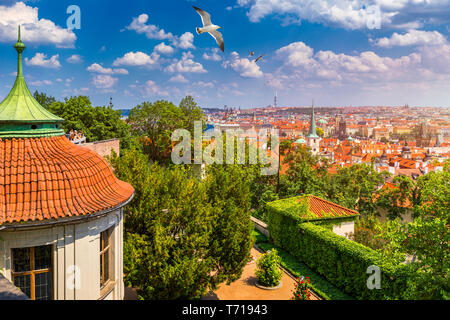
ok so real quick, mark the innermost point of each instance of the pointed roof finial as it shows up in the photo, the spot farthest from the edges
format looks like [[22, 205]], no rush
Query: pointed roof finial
[[19, 46]]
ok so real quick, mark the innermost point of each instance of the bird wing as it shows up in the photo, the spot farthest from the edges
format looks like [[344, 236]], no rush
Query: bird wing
[[259, 58], [206, 18], [219, 39]]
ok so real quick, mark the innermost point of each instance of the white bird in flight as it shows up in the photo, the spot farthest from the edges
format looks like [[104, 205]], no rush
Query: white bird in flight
[[209, 27]]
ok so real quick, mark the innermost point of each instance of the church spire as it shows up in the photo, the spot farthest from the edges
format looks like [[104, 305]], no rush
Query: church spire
[[312, 125]]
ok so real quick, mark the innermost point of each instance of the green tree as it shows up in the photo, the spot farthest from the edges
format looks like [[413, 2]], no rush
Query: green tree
[[320, 132], [183, 235], [304, 174], [157, 121], [353, 187], [427, 239], [397, 201], [191, 111], [43, 99], [96, 123], [229, 194]]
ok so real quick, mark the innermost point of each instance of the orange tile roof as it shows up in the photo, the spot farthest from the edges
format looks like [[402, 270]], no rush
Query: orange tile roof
[[51, 178], [323, 208]]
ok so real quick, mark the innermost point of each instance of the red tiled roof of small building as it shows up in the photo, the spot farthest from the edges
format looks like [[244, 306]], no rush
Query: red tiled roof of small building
[[324, 209], [51, 178]]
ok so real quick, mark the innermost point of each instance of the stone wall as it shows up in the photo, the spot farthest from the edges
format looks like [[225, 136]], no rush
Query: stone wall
[[104, 147]]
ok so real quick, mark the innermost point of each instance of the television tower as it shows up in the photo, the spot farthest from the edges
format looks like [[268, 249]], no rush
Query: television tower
[[275, 100]]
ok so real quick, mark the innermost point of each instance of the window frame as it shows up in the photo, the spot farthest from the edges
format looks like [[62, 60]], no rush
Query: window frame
[[105, 281], [32, 273]]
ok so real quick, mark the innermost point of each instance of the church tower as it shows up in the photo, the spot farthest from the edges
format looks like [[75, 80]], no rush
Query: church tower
[[313, 140]]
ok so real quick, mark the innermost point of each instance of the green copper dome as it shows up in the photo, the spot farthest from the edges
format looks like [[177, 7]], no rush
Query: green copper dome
[[21, 116]]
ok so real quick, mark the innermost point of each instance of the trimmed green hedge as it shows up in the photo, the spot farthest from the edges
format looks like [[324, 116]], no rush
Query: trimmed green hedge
[[342, 262]]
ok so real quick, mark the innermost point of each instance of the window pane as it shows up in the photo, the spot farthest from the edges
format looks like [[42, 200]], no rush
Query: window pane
[[101, 269], [21, 259], [43, 286], [42, 257], [106, 238], [24, 284], [106, 267]]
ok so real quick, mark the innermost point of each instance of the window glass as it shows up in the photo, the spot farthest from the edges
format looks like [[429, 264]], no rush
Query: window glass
[[23, 283], [32, 271], [42, 257], [21, 260], [43, 286]]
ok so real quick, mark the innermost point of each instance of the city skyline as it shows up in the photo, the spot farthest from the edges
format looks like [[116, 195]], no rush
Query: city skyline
[[140, 51]]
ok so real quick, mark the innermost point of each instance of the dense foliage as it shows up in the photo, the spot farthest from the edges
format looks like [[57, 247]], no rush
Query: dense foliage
[[96, 123], [268, 269], [184, 235], [342, 262], [157, 121], [351, 187], [427, 239]]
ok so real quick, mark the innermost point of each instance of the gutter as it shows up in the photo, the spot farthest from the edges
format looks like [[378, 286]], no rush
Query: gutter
[[69, 221]]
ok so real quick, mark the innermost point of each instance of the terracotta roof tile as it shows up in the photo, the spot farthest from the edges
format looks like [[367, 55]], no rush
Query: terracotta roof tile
[[324, 209], [50, 178]]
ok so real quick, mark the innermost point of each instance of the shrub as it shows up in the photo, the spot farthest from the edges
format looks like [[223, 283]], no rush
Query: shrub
[[302, 291], [268, 270], [342, 262]]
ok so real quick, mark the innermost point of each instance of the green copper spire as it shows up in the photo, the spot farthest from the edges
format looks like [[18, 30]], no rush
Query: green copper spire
[[20, 114], [312, 126]]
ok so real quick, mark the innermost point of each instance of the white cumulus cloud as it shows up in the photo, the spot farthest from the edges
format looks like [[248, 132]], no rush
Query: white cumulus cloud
[[137, 58], [179, 78], [164, 49], [104, 81], [412, 38], [33, 29], [186, 64], [95, 67], [40, 60], [139, 25], [245, 67], [75, 58], [355, 14], [213, 56]]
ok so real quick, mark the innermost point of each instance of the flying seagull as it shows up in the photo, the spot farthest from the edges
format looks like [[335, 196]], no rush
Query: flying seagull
[[259, 58], [209, 27]]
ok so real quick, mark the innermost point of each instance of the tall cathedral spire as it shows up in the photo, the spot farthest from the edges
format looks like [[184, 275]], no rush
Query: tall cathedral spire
[[312, 125]]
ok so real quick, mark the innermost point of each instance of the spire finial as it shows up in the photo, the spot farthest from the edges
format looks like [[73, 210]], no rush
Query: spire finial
[[19, 46]]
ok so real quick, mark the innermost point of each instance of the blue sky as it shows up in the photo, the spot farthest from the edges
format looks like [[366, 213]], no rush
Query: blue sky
[[137, 51]]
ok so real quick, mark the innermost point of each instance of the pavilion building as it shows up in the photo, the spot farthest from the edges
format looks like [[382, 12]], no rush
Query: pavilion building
[[61, 207]]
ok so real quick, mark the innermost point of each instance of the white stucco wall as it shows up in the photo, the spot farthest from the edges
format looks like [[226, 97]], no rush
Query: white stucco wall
[[73, 245], [345, 228]]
